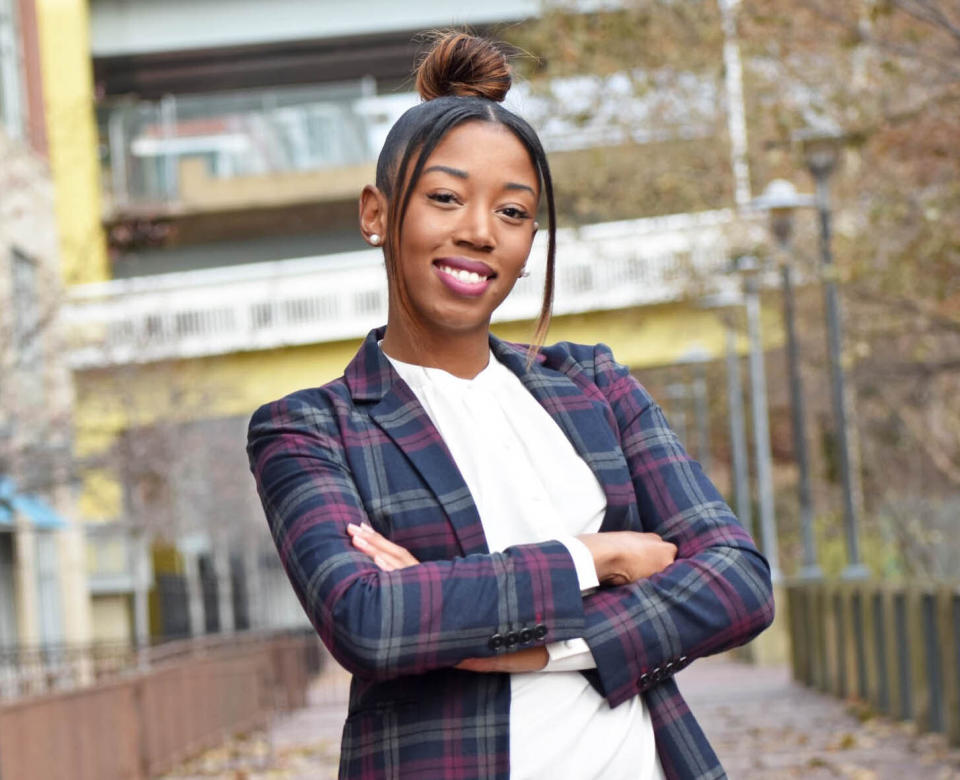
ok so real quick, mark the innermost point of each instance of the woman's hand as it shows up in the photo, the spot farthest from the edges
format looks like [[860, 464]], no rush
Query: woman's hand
[[385, 554], [531, 659], [622, 557]]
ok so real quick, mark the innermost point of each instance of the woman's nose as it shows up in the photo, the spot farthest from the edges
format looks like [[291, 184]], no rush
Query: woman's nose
[[476, 229]]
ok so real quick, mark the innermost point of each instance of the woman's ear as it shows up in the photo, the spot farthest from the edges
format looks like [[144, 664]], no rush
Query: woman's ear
[[373, 215]]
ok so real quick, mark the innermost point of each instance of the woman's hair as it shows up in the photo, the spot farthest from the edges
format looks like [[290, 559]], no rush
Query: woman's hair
[[462, 78]]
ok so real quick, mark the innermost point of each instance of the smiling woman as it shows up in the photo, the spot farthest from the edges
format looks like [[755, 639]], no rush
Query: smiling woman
[[505, 544], [463, 243]]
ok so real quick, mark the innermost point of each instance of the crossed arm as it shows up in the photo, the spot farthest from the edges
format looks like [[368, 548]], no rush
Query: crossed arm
[[620, 557], [382, 621]]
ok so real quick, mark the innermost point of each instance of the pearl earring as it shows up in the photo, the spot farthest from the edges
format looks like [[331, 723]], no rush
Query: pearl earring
[[524, 273], [374, 239]]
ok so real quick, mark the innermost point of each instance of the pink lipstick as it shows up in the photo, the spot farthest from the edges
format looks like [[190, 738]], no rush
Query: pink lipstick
[[463, 276]]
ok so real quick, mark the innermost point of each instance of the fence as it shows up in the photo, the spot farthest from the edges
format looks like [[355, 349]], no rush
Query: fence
[[181, 698], [897, 648]]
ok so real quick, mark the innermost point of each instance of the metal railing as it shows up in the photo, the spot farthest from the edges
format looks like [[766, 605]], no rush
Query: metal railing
[[321, 299], [231, 135], [174, 701], [155, 149], [895, 648], [31, 670]]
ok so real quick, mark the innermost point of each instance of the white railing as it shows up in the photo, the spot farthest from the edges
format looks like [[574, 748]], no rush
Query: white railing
[[320, 299]]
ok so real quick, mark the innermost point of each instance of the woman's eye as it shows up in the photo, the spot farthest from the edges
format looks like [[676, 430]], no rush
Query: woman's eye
[[513, 212], [442, 197]]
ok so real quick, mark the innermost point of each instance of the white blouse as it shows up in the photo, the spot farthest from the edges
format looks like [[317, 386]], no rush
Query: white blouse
[[530, 485]]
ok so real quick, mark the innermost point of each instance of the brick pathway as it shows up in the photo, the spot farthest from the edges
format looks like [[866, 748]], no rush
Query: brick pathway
[[761, 724]]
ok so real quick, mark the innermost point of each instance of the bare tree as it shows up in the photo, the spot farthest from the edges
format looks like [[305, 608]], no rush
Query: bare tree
[[887, 72]]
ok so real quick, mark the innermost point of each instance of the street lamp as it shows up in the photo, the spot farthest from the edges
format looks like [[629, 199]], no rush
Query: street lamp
[[727, 304], [749, 269], [821, 152], [697, 358], [781, 199]]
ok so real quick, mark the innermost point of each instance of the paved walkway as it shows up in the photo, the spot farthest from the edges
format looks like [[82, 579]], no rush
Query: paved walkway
[[761, 724]]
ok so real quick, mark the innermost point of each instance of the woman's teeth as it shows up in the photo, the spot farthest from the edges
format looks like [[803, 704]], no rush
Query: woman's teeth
[[470, 277]]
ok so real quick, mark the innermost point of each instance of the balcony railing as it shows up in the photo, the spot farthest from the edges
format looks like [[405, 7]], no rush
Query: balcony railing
[[163, 153], [178, 153], [312, 300]]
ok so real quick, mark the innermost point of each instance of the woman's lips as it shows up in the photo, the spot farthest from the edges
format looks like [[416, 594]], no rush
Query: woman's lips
[[463, 276]]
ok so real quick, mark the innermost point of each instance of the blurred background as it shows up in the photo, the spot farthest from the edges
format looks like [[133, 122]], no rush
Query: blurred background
[[760, 213]]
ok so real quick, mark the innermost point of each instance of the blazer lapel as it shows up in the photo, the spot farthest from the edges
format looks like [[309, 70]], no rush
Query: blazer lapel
[[583, 423], [401, 417]]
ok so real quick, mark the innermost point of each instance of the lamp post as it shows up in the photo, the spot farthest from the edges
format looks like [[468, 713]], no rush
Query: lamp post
[[697, 358], [821, 152], [781, 199], [749, 268], [727, 305]]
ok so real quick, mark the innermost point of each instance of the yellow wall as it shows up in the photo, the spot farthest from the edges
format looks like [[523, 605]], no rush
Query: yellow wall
[[109, 401], [63, 31], [111, 619]]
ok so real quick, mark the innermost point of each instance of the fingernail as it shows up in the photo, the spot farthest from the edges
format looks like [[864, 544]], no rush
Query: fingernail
[[352, 527]]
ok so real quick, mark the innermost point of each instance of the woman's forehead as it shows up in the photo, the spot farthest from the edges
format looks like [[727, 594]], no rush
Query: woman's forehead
[[484, 147]]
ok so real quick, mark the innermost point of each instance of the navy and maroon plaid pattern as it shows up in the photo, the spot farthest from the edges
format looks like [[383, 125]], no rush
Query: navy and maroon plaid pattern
[[361, 448]]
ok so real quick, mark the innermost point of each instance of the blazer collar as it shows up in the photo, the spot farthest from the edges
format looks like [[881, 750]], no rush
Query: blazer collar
[[371, 378]]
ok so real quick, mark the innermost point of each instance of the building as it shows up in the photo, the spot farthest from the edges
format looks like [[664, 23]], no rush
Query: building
[[43, 588], [211, 154]]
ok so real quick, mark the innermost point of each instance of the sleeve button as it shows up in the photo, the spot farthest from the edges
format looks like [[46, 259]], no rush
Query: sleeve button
[[496, 642], [511, 639], [526, 635], [540, 631]]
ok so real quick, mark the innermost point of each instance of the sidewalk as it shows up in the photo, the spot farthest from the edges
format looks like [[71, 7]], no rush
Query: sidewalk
[[765, 727], [762, 725]]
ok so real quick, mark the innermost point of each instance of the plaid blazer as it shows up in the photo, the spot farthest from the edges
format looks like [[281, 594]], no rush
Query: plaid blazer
[[362, 448]]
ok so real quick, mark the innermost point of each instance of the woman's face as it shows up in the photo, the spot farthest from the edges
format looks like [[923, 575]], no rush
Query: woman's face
[[468, 229]]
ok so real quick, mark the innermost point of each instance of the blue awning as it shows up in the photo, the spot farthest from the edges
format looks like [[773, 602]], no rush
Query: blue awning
[[36, 510]]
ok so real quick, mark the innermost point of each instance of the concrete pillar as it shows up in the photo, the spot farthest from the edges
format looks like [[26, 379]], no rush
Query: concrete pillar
[[191, 572], [221, 565], [25, 579], [74, 590], [141, 588], [251, 575]]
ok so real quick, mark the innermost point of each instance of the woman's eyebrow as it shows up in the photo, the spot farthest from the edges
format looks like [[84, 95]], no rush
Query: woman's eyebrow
[[447, 169], [514, 186], [464, 175]]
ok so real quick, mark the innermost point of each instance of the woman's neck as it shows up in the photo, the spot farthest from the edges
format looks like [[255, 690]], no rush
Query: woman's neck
[[462, 354]]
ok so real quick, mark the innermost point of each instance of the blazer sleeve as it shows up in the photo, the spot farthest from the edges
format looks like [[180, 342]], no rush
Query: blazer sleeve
[[385, 624], [715, 596]]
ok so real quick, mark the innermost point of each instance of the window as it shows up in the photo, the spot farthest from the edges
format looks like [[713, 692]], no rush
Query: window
[[26, 319], [11, 104], [8, 593], [48, 589]]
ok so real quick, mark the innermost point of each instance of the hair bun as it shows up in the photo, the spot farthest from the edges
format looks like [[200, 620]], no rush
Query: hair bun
[[465, 66]]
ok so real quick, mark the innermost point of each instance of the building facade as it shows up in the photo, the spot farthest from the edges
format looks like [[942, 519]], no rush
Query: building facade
[[207, 158], [43, 589]]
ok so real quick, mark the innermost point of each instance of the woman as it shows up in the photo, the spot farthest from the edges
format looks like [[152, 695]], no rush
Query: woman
[[505, 545]]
